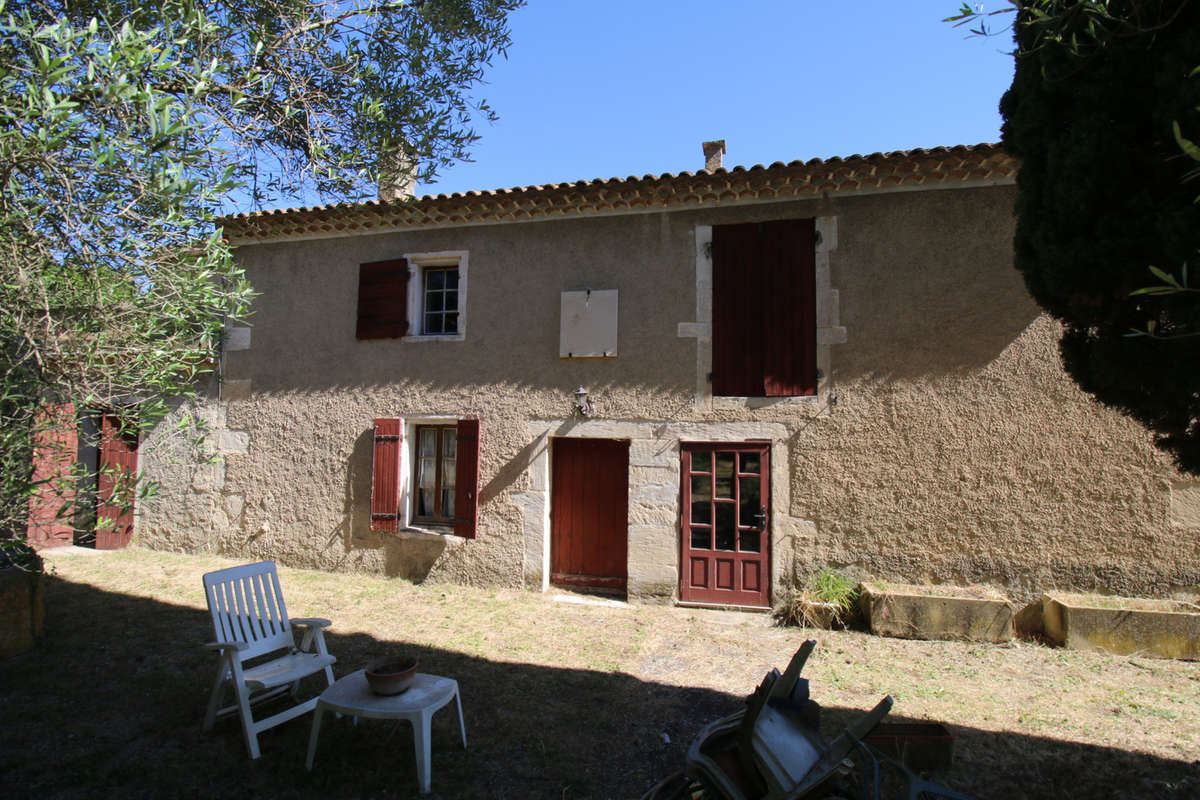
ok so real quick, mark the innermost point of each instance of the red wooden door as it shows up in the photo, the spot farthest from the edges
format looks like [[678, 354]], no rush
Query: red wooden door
[[726, 533], [115, 483], [589, 513], [764, 309]]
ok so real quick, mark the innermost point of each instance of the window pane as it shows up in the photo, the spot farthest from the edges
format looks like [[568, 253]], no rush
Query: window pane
[[449, 446], [751, 502], [434, 300], [725, 474], [425, 503], [427, 476], [701, 539], [428, 442], [451, 297], [750, 541], [701, 497], [452, 279], [750, 463], [701, 462], [450, 324], [447, 502], [435, 280], [433, 323], [725, 533]]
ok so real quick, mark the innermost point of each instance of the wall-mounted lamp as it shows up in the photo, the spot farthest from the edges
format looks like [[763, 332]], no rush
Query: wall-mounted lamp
[[583, 406]]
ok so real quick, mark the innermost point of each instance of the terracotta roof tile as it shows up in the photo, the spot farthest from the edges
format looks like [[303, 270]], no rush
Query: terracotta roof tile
[[779, 181]]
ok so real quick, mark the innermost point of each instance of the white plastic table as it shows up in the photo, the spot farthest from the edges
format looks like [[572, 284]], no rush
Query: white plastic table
[[351, 696]]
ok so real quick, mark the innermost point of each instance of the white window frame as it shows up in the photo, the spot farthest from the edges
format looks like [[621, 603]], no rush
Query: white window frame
[[417, 264]]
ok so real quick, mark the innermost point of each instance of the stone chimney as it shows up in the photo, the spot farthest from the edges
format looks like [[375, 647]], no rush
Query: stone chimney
[[712, 154], [397, 177]]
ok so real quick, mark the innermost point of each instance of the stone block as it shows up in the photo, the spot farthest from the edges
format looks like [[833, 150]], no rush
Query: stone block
[[654, 453], [651, 515], [651, 588], [936, 612], [1185, 504], [661, 537], [211, 415], [655, 494], [235, 390], [1122, 625], [835, 334], [237, 338], [21, 610], [234, 503], [233, 442], [209, 477]]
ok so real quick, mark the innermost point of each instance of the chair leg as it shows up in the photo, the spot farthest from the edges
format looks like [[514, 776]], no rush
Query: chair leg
[[243, 701], [214, 700], [314, 734], [461, 727]]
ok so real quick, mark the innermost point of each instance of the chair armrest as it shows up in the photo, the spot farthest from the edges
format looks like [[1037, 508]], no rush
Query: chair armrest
[[239, 646], [314, 633], [310, 622]]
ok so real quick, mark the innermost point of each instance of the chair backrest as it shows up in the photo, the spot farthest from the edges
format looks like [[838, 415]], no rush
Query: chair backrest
[[247, 606]]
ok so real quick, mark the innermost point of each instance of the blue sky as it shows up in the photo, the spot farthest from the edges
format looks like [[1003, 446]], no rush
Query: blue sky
[[612, 88]]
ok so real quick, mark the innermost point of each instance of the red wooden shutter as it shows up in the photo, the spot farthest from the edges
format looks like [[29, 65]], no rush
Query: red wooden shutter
[[55, 445], [737, 320], [385, 478], [790, 308], [466, 479], [382, 299], [764, 309]]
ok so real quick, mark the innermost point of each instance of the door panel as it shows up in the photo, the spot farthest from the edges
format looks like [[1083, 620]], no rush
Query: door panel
[[589, 519], [115, 484], [726, 545]]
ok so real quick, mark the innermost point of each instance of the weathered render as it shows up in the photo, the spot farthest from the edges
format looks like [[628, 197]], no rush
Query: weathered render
[[943, 444]]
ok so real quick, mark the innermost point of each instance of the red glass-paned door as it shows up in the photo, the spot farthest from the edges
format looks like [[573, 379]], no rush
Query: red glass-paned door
[[726, 533]]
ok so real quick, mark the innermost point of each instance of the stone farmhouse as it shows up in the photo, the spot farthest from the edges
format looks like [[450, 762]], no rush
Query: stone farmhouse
[[696, 388]]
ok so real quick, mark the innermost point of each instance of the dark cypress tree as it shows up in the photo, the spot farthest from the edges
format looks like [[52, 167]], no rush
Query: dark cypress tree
[[1102, 198]]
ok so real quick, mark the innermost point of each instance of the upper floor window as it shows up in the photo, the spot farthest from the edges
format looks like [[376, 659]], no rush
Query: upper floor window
[[437, 296], [439, 301], [421, 297]]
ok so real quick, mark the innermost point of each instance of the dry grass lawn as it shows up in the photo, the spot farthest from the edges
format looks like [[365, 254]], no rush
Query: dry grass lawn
[[562, 700]]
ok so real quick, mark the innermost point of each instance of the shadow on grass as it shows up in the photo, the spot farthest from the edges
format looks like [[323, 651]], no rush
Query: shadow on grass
[[112, 700]]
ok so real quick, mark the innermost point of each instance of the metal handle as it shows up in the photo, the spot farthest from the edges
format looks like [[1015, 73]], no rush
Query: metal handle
[[761, 517]]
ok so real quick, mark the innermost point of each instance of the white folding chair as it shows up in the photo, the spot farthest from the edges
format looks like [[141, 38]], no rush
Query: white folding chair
[[251, 623]]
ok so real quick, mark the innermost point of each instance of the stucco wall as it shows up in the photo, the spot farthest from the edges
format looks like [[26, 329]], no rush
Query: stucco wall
[[956, 449]]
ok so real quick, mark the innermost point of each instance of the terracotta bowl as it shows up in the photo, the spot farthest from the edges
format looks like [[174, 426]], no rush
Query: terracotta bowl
[[391, 674]]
